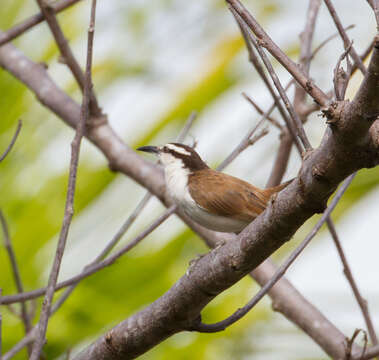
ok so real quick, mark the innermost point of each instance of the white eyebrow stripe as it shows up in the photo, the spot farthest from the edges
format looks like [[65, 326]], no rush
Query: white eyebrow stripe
[[178, 149]]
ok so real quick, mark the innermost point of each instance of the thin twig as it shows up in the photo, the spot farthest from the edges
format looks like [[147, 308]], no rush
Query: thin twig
[[219, 326], [253, 58], [120, 233], [350, 278], [67, 55], [261, 112], [306, 38], [36, 19], [370, 353], [281, 160], [329, 38], [9, 148], [315, 107], [344, 37], [69, 210], [341, 78], [244, 144], [89, 270], [127, 224], [187, 126], [365, 342], [114, 241], [350, 343], [28, 339], [96, 266], [297, 125], [315, 92], [16, 274], [39, 292]]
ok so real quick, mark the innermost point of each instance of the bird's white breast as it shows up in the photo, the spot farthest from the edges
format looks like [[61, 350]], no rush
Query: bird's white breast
[[176, 176]]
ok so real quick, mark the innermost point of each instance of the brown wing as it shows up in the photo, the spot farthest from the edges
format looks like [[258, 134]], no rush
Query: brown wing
[[226, 195]]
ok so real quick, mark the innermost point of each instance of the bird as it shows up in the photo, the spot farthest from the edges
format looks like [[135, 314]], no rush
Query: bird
[[213, 199]]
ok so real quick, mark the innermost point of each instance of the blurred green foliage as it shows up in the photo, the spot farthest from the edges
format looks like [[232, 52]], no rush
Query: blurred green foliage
[[33, 196]]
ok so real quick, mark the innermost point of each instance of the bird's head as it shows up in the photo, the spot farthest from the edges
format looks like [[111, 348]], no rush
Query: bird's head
[[177, 154]]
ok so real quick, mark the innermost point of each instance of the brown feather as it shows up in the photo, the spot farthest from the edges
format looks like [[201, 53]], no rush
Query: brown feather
[[275, 189], [227, 195]]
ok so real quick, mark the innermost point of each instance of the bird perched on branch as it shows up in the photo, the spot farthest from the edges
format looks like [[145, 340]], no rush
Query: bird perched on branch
[[213, 199]]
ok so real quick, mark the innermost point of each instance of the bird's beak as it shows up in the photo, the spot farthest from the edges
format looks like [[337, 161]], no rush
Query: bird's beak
[[150, 149]]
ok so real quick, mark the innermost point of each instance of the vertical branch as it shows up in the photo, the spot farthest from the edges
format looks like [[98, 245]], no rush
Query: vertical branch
[[306, 38], [16, 274], [281, 160], [350, 278], [69, 210], [29, 338], [307, 35], [126, 225], [284, 151], [341, 78], [89, 270], [66, 54]]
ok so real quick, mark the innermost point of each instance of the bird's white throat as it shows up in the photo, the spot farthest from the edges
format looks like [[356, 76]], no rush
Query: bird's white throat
[[176, 176]]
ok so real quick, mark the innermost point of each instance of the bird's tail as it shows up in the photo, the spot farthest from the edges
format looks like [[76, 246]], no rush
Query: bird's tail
[[276, 189]]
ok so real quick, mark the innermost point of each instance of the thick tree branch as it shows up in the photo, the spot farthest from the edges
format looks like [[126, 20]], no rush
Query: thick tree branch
[[364, 109], [29, 338], [147, 174], [222, 325], [90, 269], [323, 169]]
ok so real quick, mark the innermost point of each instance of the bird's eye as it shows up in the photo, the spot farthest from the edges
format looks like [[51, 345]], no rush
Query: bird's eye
[[165, 149]]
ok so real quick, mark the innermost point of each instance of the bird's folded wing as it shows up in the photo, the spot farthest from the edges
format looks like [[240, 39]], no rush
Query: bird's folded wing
[[225, 195]]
